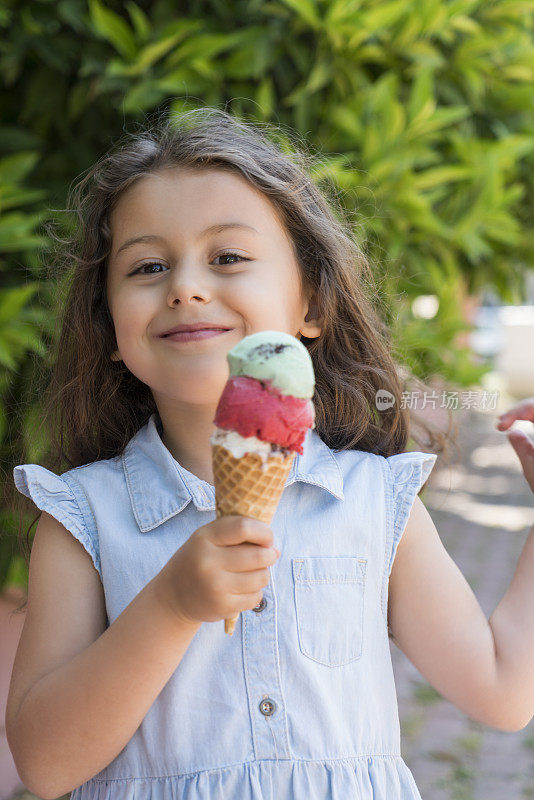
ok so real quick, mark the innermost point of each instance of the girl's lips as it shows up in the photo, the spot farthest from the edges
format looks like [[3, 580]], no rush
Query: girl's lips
[[190, 336]]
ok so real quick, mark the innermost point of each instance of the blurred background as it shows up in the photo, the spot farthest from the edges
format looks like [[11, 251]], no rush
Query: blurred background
[[420, 117]]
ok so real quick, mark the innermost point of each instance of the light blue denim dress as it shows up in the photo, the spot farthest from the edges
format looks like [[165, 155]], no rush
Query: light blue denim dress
[[300, 701]]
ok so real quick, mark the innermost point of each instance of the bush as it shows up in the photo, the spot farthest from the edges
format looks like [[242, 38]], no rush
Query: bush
[[421, 112]]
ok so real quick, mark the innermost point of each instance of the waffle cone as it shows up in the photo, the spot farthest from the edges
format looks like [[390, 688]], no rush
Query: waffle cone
[[244, 488]]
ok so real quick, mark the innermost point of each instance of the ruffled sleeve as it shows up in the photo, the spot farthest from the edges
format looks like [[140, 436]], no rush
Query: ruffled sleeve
[[407, 472], [64, 499]]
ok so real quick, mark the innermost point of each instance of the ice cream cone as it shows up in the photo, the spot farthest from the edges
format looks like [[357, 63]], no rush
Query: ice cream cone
[[248, 486], [262, 418]]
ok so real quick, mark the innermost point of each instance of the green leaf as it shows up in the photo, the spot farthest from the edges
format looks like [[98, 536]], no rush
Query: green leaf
[[465, 24], [334, 168], [252, 58], [12, 300], [306, 10], [441, 118], [475, 246], [424, 54], [347, 119], [515, 147], [143, 95], [384, 14], [339, 12], [113, 28], [153, 52], [509, 9], [16, 231], [13, 197], [30, 24], [318, 78], [35, 436], [140, 21], [15, 138], [79, 99], [503, 228], [208, 45], [266, 98], [421, 104], [431, 178], [16, 167], [5, 16], [6, 356], [519, 72]]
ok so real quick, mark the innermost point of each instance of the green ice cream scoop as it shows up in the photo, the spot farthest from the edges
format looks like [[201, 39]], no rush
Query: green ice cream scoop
[[277, 357]]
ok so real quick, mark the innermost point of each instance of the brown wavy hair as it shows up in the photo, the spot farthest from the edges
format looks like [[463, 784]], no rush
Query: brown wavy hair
[[93, 405]]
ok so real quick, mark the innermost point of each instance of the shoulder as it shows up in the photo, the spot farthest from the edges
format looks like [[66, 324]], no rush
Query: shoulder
[[103, 466], [348, 460], [96, 474], [410, 465]]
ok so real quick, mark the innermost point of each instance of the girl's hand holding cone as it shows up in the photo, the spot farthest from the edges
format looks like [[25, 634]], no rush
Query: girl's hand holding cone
[[222, 567]]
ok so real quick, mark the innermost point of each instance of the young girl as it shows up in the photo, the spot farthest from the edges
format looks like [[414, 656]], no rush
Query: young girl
[[125, 684]]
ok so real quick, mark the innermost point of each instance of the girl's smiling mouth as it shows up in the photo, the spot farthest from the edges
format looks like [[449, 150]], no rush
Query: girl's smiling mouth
[[189, 336]]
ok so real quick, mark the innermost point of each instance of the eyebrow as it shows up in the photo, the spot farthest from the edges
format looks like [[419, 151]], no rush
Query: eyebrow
[[150, 237]]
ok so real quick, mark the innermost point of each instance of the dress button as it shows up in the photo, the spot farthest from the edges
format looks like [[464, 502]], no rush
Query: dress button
[[267, 706], [260, 606]]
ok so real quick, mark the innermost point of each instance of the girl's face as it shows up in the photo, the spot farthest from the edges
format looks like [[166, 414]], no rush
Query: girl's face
[[182, 273]]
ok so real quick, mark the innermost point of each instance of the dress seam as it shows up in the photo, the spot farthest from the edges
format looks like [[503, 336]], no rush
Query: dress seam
[[390, 534], [349, 759], [82, 501]]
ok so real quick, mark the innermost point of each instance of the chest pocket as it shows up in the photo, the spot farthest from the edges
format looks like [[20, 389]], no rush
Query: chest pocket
[[329, 602]]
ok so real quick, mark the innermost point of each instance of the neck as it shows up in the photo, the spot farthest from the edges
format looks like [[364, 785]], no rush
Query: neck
[[187, 437]]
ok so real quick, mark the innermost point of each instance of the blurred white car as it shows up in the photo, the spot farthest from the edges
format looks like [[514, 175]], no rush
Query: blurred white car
[[515, 357], [486, 339], [505, 336]]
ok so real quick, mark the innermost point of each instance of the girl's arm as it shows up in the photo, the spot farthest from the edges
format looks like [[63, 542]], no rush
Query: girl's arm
[[485, 667], [79, 691]]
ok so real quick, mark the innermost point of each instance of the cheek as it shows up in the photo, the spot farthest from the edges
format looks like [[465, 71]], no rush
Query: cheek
[[129, 316], [272, 284], [270, 303]]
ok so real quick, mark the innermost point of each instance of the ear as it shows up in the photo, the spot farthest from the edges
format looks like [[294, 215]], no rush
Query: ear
[[311, 327]]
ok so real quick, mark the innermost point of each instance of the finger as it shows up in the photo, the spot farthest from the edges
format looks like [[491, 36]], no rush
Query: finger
[[523, 410], [522, 444], [524, 447], [247, 582], [249, 601], [235, 529], [247, 557]]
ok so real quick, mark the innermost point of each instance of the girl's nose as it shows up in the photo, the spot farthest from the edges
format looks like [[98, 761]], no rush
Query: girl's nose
[[187, 284]]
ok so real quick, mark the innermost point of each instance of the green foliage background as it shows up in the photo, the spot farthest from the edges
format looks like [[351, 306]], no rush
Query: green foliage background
[[421, 111]]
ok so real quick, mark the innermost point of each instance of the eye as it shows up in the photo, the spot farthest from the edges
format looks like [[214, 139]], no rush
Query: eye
[[140, 269], [147, 264], [230, 254]]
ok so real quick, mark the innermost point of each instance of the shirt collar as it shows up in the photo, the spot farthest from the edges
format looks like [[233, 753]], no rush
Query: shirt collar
[[159, 487]]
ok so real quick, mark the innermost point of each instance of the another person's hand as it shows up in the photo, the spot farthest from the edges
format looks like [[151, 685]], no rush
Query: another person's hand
[[521, 441]]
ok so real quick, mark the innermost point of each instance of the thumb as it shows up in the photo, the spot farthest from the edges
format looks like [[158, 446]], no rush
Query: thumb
[[524, 447]]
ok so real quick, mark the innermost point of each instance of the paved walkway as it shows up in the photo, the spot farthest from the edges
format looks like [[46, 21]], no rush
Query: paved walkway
[[483, 509]]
